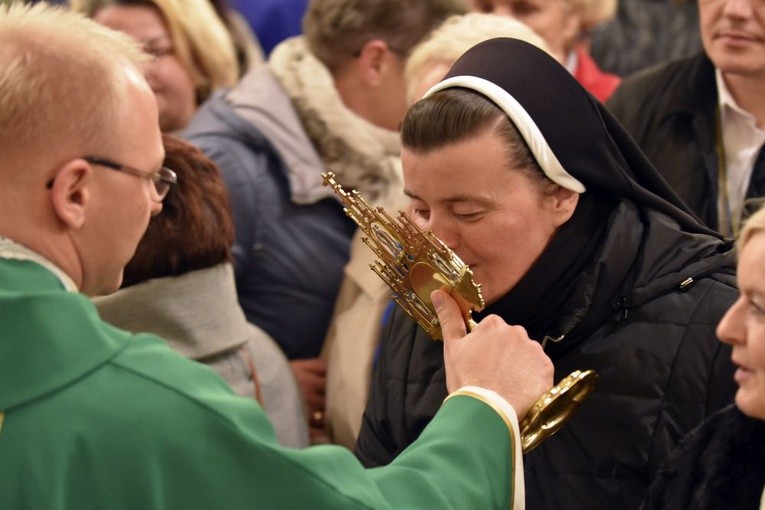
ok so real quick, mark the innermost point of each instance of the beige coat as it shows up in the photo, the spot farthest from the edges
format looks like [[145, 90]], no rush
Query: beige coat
[[351, 342]]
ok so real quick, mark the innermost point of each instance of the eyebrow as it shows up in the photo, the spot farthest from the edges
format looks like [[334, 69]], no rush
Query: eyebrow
[[752, 293], [156, 40], [454, 199]]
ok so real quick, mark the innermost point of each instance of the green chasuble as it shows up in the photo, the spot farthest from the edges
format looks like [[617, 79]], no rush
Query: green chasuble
[[96, 418]]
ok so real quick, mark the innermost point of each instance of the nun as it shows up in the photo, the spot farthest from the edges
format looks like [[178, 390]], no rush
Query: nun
[[575, 237]]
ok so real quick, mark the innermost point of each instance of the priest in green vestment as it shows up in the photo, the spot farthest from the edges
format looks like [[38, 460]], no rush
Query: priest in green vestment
[[94, 417]]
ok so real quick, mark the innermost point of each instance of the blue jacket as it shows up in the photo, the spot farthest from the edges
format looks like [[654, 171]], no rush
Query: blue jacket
[[273, 20], [292, 236]]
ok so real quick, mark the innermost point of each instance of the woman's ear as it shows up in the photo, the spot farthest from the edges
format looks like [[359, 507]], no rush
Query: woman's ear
[[70, 192], [564, 202]]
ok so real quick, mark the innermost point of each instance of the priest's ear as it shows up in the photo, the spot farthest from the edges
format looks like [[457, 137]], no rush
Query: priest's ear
[[70, 192]]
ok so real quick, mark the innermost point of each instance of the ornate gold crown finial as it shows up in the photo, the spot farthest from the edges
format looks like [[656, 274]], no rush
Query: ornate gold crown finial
[[413, 263]]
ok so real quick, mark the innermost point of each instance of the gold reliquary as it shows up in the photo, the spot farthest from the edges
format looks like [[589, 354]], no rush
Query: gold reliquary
[[412, 262]]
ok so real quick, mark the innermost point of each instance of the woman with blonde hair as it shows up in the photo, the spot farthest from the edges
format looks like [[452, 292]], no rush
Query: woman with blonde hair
[[431, 59], [193, 53], [721, 464]]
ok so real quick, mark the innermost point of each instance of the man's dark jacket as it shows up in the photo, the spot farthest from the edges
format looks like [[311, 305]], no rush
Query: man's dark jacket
[[646, 325], [670, 110]]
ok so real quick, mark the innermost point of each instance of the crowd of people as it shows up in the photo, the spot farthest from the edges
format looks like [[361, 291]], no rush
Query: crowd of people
[[190, 318]]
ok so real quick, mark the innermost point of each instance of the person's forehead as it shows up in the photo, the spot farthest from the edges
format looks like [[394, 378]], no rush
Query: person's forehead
[[708, 5], [476, 158], [752, 257], [141, 134], [142, 22]]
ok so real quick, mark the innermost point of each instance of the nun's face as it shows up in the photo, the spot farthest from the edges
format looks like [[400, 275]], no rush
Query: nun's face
[[493, 216], [743, 327], [733, 33]]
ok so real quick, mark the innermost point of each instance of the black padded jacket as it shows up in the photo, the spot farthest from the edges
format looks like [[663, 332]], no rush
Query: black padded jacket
[[646, 324]]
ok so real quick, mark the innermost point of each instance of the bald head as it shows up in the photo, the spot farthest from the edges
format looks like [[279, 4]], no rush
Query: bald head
[[62, 79], [71, 88]]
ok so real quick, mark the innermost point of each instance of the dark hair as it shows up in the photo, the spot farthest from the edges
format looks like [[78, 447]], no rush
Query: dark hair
[[455, 115], [195, 229]]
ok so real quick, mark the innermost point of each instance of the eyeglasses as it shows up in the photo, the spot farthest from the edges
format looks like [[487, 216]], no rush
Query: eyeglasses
[[158, 47], [157, 53], [163, 180]]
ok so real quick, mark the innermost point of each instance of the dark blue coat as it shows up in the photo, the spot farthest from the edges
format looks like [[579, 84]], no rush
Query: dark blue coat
[[289, 253]]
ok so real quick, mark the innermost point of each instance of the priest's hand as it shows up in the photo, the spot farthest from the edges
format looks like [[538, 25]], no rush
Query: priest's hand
[[494, 355]]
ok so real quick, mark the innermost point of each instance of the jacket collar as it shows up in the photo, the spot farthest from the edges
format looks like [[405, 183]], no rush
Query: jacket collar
[[260, 100], [692, 106], [10, 249], [641, 259], [197, 314], [696, 91], [50, 337]]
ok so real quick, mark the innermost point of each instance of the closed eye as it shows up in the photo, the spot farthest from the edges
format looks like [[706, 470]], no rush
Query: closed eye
[[468, 217], [421, 213], [754, 309]]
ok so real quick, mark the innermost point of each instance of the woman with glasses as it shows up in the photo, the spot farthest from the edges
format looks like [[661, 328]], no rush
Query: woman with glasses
[[192, 52]]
